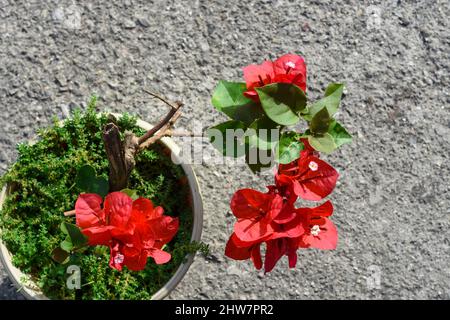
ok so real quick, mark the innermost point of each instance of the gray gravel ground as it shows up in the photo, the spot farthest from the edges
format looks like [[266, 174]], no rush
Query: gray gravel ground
[[392, 202]]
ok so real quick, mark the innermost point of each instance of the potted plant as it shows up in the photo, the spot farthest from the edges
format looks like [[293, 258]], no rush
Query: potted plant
[[95, 208], [262, 112]]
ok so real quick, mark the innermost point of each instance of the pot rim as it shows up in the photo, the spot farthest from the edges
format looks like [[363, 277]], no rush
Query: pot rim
[[32, 292]]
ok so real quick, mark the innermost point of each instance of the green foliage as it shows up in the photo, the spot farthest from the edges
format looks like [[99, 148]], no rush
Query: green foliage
[[320, 123], [289, 147], [42, 185], [131, 193], [324, 143], [219, 137], [260, 133], [61, 255], [258, 159], [228, 97], [282, 102], [331, 101], [87, 181], [339, 134], [75, 239]]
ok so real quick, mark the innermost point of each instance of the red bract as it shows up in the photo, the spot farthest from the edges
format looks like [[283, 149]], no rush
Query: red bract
[[263, 217], [308, 177], [255, 212], [272, 218], [134, 231], [320, 232], [289, 68], [276, 249], [241, 250], [257, 76]]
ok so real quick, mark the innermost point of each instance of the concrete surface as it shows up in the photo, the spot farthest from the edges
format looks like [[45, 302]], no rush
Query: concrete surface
[[392, 202]]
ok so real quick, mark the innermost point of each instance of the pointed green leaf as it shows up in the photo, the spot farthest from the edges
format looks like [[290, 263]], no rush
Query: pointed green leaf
[[87, 181], [258, 160], [84, 177], [228, 97], [333, 95], [77, 238], [228, 138], [323, 144], [60, 255], [339, 134], [320, 123], [131, 193], [67, 244], [100, 186], [263, 133], [282, 102], [288, 148]]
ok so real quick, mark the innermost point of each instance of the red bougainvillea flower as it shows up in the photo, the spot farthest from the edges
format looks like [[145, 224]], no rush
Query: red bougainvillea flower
[[276, 249], [310, 178], [255, 212], [258, 76], [263, 217], [272, 218], [320, 232], [241, 250], [133, 231], [289, 68]]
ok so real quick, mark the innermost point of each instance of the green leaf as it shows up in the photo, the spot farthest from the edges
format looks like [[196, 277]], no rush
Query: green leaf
[[228, 97], [323, 144], [67, 244], [320, 123], [258, 160], [333, 95], [75, 236], [263, 133], [282, 102], [228, 137], [60, 255], [288, 148], [84, 176], [87, 181], [339, 134], [131, 193]]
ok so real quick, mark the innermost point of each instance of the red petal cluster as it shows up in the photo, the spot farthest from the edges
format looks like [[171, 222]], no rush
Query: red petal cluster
[[133, 230], [289, 68], [272, 217]]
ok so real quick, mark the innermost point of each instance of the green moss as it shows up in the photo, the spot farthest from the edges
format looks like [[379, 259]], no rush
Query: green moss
[[42, 188]]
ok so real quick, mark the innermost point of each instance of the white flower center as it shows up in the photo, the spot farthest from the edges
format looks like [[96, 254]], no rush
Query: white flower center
[[313, 166], [118, 259], [315, 230], [290, 64]]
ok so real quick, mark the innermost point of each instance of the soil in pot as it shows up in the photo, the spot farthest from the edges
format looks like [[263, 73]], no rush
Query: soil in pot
[[42, 187]]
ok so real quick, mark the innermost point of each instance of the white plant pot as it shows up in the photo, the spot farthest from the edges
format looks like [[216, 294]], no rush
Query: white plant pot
[[31, 291]]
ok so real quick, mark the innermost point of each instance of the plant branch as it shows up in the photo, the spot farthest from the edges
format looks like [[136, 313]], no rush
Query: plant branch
[[162, 132], [169, 118], [122, 154], [69, 213], [172, 133]]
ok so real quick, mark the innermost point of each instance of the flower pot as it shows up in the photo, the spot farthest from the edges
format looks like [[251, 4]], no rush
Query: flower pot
[[30, 290]]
